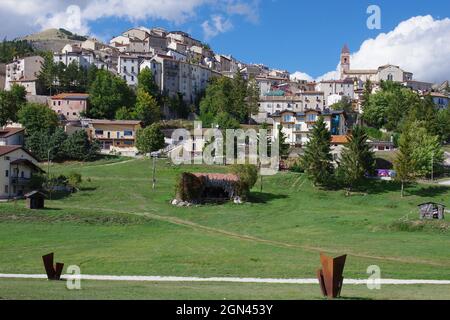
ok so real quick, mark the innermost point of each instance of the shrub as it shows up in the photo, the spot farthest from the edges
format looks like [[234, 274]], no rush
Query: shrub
[[74, 180], [248, 175], [189, 187], [296, 166]]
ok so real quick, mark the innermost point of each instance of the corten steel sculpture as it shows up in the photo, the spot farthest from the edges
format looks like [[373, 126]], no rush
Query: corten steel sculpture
[[53, 272], [330, 276]]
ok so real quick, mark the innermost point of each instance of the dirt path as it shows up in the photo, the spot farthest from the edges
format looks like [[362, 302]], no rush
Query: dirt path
[[219, 279], [230, 234]]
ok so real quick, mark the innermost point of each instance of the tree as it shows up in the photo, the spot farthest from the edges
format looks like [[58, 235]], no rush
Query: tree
[[357, 158], [417, 154], [178, 106], [217, 99], [47, 145], [107, 94], [146, 109], [10, 103], [150, 139], [239, 94], [78, 147], [147, 83], [317, 158], [37, 117], [345, 104], [124, 113], [252, 98], [48, 74], [283, 145]]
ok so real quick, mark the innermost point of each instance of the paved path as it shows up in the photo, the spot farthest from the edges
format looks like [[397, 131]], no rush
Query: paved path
[[219, 279]]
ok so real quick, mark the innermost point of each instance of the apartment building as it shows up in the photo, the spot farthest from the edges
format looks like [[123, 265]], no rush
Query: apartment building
[[17, 167], [69, 106], [24, 72], [335, 90], [128, 68], [297, 125], [115, 136]]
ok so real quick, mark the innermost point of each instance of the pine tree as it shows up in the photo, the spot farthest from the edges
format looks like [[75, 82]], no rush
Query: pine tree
[[252, 98], [282, 144], [357, 158], [317, 159]]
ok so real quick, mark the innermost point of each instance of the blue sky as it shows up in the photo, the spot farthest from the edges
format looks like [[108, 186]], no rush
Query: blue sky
[[299, 35], [296, 35]]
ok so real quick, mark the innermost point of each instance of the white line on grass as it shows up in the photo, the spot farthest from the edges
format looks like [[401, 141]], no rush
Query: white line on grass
[[219, 279]]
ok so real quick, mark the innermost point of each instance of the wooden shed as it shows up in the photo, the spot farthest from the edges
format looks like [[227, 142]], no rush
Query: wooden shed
[[35, 200], [431, 210]]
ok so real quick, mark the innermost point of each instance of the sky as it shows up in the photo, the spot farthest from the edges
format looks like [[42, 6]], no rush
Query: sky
[[303, 37]]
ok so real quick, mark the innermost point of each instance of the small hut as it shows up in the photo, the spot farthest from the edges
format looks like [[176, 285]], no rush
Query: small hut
[[431, 210], [35, 200]]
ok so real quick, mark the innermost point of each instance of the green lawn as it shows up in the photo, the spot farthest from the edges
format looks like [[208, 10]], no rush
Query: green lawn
[[118, 225]]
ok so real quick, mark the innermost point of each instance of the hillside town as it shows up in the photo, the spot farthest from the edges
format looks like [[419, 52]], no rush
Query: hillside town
[[182, 69]]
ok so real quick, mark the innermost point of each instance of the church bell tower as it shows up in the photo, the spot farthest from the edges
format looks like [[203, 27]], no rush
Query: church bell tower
[[345, 61]]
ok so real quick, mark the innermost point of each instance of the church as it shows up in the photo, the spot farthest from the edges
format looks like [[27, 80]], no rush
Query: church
[[386, 72]]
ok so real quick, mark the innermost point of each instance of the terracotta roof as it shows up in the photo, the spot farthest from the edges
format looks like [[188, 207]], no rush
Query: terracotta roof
[[439, 95], [218, 176], [339, 139], [7, 132], [8, 149], [71, 96]]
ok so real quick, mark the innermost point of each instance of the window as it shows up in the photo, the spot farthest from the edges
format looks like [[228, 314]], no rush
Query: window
[[6, 173], [132, 78], [124, 68], [6, 189], [132, 69], [98, 132], [287, 118], [311, 117]]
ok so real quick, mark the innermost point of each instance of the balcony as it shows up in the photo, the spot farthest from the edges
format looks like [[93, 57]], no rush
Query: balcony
[[18, 181]]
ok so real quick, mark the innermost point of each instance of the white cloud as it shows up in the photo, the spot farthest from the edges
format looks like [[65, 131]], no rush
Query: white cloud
[[249, 9], [419, 45], [301, 76], [217, 25]]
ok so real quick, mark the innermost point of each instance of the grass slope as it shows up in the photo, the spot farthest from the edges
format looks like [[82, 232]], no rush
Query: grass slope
[[118, 225]]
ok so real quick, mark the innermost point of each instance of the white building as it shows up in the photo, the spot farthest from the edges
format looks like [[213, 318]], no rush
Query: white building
[[334, 90], [128, 69], [24, 72], [17, 166], [297, 125]]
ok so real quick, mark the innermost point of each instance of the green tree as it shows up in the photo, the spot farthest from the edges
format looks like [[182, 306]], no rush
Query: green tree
[[317, 160], [49, 73], [146, 109], [418, 152], [37, 117], [147, 83], [283, 145], [252, 98], [78, 146], [357, 158], [239, 94], [248, 176], [124, 113], [345, 104], [178, 106], [107, 94], [47, 144], [10, 103], [150, 139]]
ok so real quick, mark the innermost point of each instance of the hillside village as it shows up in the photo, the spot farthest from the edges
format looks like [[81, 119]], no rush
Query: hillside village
[[182, 69]]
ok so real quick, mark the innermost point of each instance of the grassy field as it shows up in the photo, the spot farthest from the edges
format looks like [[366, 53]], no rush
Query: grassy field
[[116, 224]]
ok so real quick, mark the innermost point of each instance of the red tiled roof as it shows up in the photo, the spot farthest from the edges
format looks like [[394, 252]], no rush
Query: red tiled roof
[[339, 139], [7, 132], [8, 149], [63, 96]]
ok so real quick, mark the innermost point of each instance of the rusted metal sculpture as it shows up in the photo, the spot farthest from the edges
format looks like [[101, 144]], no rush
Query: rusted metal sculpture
[[53, 272], [330, 276]]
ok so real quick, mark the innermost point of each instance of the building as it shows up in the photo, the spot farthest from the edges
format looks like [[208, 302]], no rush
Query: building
[[69, 106], [17, 167], [128, 68], [83, 58], [418, 86], [440, 100], [115, 136], [387, 72], [24, 72], [297, 125], [335, 90], [12, 136]]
